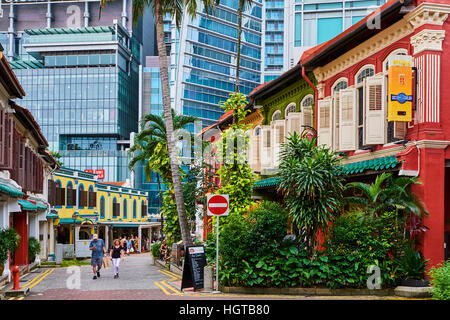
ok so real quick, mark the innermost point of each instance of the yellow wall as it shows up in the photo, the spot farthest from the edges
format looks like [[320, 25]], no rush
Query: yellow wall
[[67, 211]]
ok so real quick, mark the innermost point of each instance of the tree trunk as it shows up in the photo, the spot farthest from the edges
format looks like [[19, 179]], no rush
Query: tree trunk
[[179, 199], [160, 205]]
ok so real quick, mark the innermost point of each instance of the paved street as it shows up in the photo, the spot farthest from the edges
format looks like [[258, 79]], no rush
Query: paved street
[[139, 280]]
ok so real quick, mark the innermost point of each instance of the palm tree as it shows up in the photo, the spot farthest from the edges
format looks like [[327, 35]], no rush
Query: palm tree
[[150, 147], [243, 4], [387, 194], [175, 9]]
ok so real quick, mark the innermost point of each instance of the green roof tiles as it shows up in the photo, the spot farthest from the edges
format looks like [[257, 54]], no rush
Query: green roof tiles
[[22, 64], [270, 182], [48, 31], [10, 190], [27, 205], [377, 164]]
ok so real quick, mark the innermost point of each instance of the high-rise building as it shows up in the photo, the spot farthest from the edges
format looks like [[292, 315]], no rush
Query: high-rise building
[[81, 75], [203, 58], [293, 26]]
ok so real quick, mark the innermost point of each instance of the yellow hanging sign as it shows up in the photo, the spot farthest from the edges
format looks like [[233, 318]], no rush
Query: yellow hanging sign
[[400, 95]]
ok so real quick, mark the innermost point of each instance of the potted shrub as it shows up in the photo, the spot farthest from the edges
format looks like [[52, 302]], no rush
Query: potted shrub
[[9, 241], [412, 266], [34, 247], [156, 251]]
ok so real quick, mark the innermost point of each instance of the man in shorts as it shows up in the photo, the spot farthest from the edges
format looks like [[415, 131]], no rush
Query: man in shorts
[[98, 250]]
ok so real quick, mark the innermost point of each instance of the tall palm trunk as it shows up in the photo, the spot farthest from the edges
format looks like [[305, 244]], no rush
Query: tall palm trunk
[[179, 199]]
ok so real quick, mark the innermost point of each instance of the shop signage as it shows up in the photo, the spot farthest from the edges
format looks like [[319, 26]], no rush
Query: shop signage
[[193, 268], [100, 173], [400, 95]]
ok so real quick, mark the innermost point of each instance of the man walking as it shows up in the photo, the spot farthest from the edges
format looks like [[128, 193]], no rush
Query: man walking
[[98, 251]]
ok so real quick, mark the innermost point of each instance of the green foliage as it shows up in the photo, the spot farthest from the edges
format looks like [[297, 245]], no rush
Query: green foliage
[[156, 249], [310, 181], [9, 241], [387, 194], [411, 263], [34, 247], [74, 262], [171, 225], [235, 174], [440, 281]]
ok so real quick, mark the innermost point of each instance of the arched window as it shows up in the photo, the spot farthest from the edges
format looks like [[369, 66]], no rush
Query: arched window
[[102, 207], [257, 131], [276, 115], [342, 84], [290, 108], [134, 209], [80, 200], [116, 208], [400, 51], [143, 213], [307, 101], [58, 183], [364, 72], [69, 195], [125, 207]]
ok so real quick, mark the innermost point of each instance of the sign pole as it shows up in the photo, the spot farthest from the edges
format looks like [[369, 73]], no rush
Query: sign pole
[[217, 256]]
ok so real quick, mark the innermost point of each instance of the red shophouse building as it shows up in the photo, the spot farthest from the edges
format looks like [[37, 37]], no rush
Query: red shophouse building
[[352, 96]]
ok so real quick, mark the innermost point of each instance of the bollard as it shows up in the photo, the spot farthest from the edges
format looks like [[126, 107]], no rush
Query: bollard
[[209, 279], [15, 273]]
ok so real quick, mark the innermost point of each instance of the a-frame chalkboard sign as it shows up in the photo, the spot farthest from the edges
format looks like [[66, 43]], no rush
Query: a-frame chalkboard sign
[[194, 262]]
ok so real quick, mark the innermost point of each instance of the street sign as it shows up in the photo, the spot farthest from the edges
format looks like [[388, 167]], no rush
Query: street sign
[[217, 205]]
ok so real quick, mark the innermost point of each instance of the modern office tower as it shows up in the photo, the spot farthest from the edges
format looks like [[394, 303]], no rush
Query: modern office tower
[[203, 58], [81, 76], [293, 26]]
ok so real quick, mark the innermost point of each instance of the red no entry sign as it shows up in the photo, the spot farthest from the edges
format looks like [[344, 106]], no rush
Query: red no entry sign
[[217, 205]]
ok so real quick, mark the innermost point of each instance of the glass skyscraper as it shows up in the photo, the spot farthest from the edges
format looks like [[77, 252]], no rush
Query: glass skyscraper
[[81, 76], [293, 26], [203, 58]]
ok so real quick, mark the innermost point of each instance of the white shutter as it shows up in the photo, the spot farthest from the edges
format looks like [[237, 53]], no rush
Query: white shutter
[[324, 133], [307, 117], [277, 140], [266, 147], [255, 150], [293, 123], [375, 111], [347, 117], [336, 120]]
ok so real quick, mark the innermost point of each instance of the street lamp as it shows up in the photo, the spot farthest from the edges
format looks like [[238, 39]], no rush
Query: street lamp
[[74, 217]]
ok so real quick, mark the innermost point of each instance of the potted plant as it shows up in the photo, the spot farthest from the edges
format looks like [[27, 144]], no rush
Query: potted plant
[[34, 247], [9, 241], [412, 266], [156, 251]]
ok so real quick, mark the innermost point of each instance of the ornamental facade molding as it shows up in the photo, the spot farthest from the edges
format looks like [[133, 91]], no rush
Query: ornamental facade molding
[[428, 13], [430, 40]]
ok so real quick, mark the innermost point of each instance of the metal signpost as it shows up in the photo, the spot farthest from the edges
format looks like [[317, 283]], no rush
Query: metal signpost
[[217, 205]]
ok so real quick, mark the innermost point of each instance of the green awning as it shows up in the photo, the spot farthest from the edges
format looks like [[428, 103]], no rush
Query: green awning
[[53, 214], [27, 205], [68, 221], [265, 183], [377, 164], [10, 190]]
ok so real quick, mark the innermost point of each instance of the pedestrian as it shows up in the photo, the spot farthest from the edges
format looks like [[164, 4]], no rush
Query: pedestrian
[[136, 244], [116, 253], [163, 250], [124, 244], [130, 245], [98, 251]]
